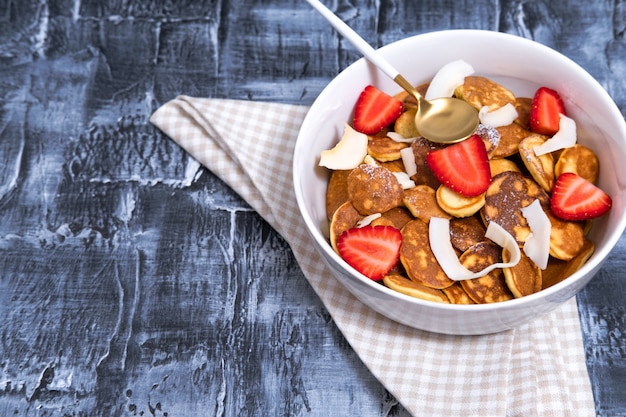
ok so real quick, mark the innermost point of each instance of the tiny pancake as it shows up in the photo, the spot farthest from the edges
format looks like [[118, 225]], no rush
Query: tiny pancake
[[344, 218], [457, 205], [466, 232], [457, 295], [567, 238], [373, 189], [523, 278], [406, 286], [418, 258], [405, 124], [507, 194], [396, 217], [580, 160], [394, 166], [480, 91], [383, 148], [540, 167], [421, 147], [422, 203], [510, 137], [501, 165], [558, 270], [523, 105], [337, 191], [490, 288]]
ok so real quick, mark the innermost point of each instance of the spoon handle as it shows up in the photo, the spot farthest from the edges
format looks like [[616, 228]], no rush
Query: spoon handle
[[358, 42]]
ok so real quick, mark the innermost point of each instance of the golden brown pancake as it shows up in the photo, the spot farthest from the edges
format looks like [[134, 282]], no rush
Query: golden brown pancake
[[425, 176], [490, 288], [396, 217], [523, 105], [457, 205], [418, 259], [501, 165], [405, 124], [558, 270], [422, 203], [385, 149], [566, 237], [507, 194], [480, 91], [510, 137], [337, 191], [344, 218], [540, 167], [580, 160], [524, 278], [466, 232], [457, 295], [406, 286], [374, 189]]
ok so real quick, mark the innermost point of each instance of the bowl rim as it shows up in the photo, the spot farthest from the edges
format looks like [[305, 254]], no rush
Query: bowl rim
[[589, 269]]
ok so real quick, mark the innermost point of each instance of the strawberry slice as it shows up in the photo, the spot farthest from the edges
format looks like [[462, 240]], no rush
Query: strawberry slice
[[375, 110], [544, 112], [575, 198], [462, 167], [371, 250]]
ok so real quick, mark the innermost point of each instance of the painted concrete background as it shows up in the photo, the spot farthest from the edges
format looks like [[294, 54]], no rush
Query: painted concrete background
[[133, 281]]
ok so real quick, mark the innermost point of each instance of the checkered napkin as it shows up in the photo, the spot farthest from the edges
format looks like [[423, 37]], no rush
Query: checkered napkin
[[537, 370]]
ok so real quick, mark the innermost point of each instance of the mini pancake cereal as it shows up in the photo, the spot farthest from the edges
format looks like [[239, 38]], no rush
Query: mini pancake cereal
[[536, 202]]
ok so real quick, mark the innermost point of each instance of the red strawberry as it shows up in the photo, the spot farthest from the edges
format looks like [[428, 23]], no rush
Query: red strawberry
[[545, 110], [371, 250], [375, 110], [575, 198], [462, 167]]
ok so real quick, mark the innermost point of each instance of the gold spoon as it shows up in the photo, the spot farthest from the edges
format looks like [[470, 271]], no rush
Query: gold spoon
[[443, 120]]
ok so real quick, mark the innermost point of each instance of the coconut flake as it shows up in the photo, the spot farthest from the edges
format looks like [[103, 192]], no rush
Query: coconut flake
[[537, 245], [408, 159], [368, 219], [439, 235], [448, 78], [503, 116], [348, 153], [369, 160], [564, 138], [396, 137], [404, 180]]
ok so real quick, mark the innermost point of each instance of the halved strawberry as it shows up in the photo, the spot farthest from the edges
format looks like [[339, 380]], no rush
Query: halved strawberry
[[375, 110], [462, 167], [371, 250], [544, 112], [575, 198]]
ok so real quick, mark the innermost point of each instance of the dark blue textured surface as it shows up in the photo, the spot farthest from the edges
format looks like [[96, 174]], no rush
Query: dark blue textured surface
[[136, 283]]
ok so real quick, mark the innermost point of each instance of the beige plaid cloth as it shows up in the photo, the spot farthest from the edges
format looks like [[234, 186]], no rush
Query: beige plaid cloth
[[537, 370]]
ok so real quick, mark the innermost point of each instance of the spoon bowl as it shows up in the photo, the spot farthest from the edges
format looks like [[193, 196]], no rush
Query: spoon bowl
[[443, 120]]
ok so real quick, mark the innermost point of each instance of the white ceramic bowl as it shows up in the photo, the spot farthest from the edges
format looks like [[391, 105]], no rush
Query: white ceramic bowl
[[522, 66]]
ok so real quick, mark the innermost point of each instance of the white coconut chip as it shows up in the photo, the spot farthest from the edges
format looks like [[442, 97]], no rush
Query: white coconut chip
[[564, 138], [396, 137], [439, 235], [447, 79], [537, 245], [408, 159], [404, 180], [348, 153], [503, 116], [365, 221]]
